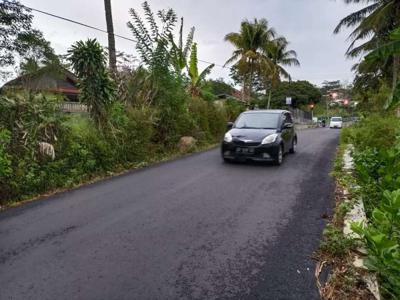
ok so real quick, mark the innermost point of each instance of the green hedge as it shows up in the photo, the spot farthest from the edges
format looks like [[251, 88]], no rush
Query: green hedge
[[377, 162]]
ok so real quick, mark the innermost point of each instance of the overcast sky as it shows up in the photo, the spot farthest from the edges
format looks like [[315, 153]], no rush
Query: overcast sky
[[307, 24]]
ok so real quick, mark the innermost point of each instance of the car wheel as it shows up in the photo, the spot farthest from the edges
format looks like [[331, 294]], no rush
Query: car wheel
[[294, 146], [279, 157]]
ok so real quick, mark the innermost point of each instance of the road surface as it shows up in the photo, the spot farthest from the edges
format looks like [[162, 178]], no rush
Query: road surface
[[193, 228]]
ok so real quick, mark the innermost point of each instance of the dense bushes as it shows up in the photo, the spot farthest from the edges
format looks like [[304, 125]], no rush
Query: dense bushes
[[376, 131], [377, 163], [133, 137]]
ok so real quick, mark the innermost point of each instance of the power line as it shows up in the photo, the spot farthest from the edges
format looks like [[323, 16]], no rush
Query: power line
[[78, 23], [99, 29]]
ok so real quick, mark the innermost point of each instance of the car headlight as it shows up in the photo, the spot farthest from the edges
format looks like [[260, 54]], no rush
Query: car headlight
[[270, 139], [228, 137]]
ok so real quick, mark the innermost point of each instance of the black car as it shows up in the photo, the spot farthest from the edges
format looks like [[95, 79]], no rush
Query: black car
[[260, 135]]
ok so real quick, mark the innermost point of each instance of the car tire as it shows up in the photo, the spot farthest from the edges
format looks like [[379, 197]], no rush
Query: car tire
[[279, 156], [294, 145]]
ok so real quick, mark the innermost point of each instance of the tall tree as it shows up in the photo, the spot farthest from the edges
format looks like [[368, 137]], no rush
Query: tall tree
[[248, 55], [112, 57], [373, 25], [281, 57], [15, 21], [383, 52]]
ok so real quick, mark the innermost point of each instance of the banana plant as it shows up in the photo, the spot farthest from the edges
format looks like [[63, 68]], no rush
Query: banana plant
[[179, 53], [196, 78]]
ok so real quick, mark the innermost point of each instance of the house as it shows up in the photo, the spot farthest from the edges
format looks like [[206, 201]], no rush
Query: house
[[60, 81]]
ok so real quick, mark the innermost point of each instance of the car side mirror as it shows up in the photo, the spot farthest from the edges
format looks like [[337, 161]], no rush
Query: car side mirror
[[229, 125], [287, 125]]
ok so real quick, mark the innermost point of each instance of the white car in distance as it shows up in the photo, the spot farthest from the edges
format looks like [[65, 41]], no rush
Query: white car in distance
[[336, 122]]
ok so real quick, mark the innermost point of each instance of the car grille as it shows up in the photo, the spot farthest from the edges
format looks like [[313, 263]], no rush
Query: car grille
[[242, 143]]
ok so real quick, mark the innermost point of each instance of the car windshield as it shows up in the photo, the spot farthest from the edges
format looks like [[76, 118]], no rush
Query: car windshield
[[337, 119], [258, 121]]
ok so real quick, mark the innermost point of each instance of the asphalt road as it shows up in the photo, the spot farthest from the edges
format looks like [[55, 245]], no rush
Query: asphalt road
[[193, 228]]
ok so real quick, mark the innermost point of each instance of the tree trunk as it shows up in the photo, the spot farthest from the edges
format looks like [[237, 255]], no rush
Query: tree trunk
[[244, 89], [396, 64], [111, 39], [269, 98], [250, 82]]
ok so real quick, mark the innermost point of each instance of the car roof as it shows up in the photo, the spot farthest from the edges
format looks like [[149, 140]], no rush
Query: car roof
[[270, 111]]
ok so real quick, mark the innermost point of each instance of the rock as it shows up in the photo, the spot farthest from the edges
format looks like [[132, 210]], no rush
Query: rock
[[187, 144], [47, 150]]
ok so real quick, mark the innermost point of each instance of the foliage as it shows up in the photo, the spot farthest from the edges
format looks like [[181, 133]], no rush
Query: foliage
[[280, 56], [260, 57], [376, 131], [377, 164], [19, 42], [153, 42], [135, 87], [196, 78], [28, 121], [382, 237], [301, 92], [375, 20], [218, 87], [373, 29], [179, 53], [5, 158], [15, 23], [88, 60], [386, 51], [249, 56]]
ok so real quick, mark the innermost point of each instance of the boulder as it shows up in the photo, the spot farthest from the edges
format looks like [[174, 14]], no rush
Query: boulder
[[187, 144]]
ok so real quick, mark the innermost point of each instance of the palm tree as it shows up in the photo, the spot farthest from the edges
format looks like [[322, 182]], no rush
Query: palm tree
[[196, 79], [377, 20], [112, 57], [280, 57], [248, 56]]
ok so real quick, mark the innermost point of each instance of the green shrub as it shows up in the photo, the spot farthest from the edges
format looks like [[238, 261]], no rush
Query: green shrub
[[382, 237], [377, 165], [5, 158], [233, 109], [376, 131]]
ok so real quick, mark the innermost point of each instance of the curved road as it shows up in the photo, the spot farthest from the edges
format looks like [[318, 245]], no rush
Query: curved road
[[193, 228]]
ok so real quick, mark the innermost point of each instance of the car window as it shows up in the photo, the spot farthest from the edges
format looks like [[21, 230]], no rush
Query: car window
[[336, 119], [258, 121]]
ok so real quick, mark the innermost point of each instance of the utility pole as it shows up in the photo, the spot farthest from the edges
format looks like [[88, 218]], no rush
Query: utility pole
[[112, 57], [327, 107]]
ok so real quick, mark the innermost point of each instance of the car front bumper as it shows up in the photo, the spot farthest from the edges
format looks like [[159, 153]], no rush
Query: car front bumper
[[335, 126], [256, 153]]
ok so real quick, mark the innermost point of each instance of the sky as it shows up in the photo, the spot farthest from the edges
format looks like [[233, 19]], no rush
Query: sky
[[307, 24]]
